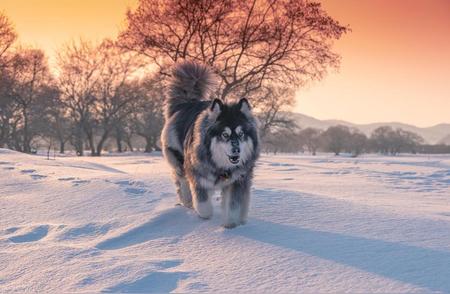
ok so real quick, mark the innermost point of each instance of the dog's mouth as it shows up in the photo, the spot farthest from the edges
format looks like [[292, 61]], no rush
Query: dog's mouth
[[234, 159]]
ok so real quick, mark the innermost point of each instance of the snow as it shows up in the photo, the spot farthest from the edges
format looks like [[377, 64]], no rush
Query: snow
[[317, 224]]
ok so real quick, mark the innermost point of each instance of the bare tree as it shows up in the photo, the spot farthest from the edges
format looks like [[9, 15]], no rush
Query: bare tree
[[254, 46], [269, 101], [30, 76], [148, 119], [7, 106], [411, 141], [336, 138], [8, 111], [92, 81], [357, 143], [387, 140], [310, 137], [248, 42], [58, 125], [7, 37], [124, 132], [282, 140], [380, 139]]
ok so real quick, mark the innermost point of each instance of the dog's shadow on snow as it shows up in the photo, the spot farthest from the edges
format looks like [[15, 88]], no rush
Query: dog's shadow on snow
[[154, 282], [419, 266], [157, 282], [171, 223]]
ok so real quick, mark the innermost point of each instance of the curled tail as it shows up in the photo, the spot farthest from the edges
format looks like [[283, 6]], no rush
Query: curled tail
[[190, 82]]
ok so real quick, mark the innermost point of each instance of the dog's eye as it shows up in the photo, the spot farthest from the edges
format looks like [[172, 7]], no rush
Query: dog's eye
[[225, 135], [241, 134]]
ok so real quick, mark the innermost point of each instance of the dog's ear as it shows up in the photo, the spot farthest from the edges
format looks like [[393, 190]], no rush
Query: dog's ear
[[244, 106], [216, 108]]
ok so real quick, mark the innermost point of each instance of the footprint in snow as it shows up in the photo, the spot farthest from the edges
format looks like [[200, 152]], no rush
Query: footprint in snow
[[80, 182], [38, 177], [9, 231], [90, 230], [36, 234], [133, 187], [154, 282], [32, 173], [66, 179], [135, 191], [289, 169], [166, 264], [75, 181]]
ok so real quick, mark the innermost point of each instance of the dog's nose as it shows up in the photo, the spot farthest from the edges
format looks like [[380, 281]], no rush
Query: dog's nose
[[235, 150]]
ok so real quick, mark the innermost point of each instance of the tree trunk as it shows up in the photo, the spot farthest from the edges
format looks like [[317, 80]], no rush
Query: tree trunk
[[148, 145], [101, 143], [155, 146], [26, 140], [119, 144], [3, 136], [130, 145], [91, 143], [62, 144]]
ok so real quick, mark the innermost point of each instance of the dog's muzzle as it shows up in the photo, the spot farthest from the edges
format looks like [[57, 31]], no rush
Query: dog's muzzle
[[235, 156]]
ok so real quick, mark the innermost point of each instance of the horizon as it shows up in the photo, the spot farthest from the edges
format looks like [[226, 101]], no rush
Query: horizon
[[395, 72], [369, 123]]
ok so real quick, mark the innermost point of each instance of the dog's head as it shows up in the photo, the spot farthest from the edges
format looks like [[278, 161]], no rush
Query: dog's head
[[233, 134]]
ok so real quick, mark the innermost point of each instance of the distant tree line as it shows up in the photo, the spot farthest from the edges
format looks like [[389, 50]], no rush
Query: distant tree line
[[342, 139]]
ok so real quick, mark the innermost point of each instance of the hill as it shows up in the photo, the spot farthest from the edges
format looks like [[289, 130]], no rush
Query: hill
[[432, 135]]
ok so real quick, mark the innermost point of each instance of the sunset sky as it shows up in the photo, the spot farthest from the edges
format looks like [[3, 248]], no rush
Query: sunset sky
[[395, 62]]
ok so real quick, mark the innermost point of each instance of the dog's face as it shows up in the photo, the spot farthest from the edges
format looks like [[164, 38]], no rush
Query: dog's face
[[233, 135]]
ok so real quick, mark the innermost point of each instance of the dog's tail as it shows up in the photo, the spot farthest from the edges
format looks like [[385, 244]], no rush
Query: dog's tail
[[191, 81]]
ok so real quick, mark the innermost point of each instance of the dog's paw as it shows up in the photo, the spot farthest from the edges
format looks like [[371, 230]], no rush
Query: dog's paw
[[204, 209], [230, 226]]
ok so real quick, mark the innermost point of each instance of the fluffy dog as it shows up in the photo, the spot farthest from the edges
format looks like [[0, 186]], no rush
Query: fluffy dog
[[210, 145]]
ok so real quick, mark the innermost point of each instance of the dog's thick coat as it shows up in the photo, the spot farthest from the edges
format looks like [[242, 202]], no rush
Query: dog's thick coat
[[210, 145]]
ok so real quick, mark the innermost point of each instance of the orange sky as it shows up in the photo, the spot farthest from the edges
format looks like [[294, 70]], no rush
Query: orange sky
[[395, 62]]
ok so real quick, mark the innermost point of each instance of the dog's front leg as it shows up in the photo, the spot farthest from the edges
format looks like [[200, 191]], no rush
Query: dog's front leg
[[235, 202], [202, 200]]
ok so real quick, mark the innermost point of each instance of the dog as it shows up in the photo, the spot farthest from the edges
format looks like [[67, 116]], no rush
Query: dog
[[209, 144]]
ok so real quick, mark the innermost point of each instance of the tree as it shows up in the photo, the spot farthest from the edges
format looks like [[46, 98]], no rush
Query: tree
[[58, 125], [310, 137], [336, 138], [252, 45], [282, 140], [93, 80], [268, 102], [7, 38], [7, 107], [387, 140], [30, 77], [411, 141], [148, 119], [381, 139], [123, 132], [357, 143]]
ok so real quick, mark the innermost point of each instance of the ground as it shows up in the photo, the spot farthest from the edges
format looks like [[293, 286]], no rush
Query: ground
[[317, 224]]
